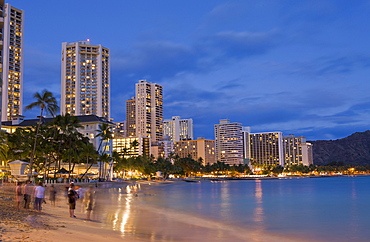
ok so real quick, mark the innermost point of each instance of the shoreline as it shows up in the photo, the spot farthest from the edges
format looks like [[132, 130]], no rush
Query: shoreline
[[52, 224], [140, 223]]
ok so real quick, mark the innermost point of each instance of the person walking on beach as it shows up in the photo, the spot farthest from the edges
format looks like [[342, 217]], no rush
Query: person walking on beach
[[39, 194], [52, 194], [72, 198], [18, 195], [89, 201], [27, 189]]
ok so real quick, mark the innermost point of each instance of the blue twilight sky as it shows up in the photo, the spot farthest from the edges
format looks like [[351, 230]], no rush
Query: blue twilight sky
[[300, 67]]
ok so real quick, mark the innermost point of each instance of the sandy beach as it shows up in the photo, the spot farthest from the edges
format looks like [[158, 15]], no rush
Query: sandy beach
[[52, 224], [134, 223]]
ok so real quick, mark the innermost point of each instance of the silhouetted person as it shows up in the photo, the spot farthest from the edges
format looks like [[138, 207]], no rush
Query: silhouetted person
[[89, 201], [27, 189], [72, 198], [52, 194], [18, 195]]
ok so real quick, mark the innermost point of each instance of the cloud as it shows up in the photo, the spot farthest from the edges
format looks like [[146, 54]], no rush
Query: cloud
[[329, 65], [238, 45], [156, 60], [163, 59], [231, 85]]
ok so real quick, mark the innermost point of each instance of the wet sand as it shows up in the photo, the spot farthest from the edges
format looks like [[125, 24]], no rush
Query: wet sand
[[133, 221]]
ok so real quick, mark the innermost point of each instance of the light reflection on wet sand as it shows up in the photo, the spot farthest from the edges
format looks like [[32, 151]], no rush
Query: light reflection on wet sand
[[139, 219]]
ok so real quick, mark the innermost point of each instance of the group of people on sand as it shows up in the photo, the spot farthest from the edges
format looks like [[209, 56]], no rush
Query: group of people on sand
[[74, 193], [26, 192]]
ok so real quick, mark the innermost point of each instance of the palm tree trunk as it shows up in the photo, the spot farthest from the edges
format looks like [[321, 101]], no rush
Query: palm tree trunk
[[34, 146], [87, 170]]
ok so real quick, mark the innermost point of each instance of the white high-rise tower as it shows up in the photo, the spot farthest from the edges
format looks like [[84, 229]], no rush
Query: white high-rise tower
[[85, 79], [11, 44], [149, 111], [178, 129], [229, 142]]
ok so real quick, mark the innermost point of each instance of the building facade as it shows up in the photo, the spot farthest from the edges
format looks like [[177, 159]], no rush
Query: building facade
[[130, 118], [196, 149], [149, 111], [229, 142], [85, 80], [177, 129], [266, 149], [132, 146], [246, 145], [120, 129], [297, 151], [11, 44]]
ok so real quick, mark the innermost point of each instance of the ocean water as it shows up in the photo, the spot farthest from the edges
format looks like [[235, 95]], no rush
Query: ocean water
[[305, 209]]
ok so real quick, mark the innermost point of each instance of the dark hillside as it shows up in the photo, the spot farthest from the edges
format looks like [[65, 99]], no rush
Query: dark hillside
[[354, 149]]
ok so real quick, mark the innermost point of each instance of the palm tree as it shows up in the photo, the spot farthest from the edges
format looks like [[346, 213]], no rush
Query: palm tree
[[46, 102], [89, 153], [105, 134], [4, 148]]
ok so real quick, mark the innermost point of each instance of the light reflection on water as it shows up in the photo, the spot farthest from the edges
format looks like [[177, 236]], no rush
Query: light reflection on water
[[117, 209], [321, 209]]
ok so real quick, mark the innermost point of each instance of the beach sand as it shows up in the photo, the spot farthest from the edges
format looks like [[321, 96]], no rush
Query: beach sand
[[52, 224], [131, 222]]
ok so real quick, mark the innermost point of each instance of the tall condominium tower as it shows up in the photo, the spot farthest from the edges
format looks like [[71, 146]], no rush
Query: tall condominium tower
[[11, 60], [229, 142], [266, 148], [177, 129], [130, 118], [149, 111], [85, 79]]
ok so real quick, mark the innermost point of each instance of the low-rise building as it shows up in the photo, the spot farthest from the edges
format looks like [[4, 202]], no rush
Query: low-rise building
[[131, 146]]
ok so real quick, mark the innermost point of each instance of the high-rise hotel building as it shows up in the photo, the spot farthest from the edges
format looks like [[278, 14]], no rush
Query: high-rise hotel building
[[229, 142], [177, 129], [130, 118], [85, 79], [297, 151], [149, 111], [266, 148], [11, 60]]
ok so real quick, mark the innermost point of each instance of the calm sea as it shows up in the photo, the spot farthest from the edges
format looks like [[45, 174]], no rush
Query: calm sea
[[315, 209]]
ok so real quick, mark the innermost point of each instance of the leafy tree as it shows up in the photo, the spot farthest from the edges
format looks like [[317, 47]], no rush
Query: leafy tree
[[277, 169], [188, 165], [164, 165]]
